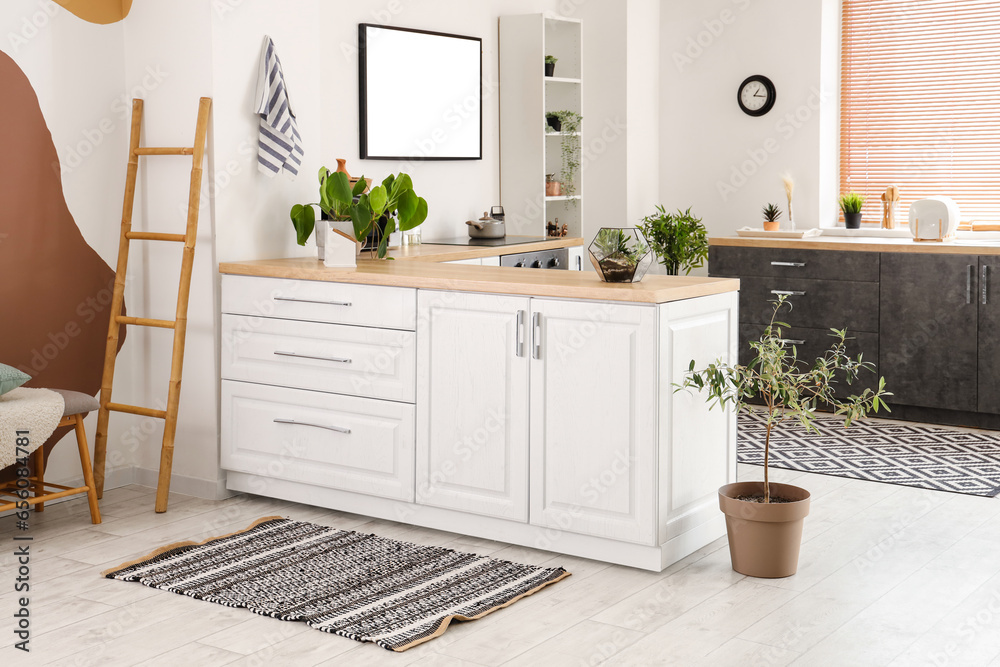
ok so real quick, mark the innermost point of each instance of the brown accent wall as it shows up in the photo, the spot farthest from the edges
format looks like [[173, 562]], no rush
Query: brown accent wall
[[55, 290]]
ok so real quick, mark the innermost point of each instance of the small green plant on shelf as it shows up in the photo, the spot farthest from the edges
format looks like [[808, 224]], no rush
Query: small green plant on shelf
[[851, 202], [772, 214], [567, 124], [551, 60], [678, 239], [789, 387]]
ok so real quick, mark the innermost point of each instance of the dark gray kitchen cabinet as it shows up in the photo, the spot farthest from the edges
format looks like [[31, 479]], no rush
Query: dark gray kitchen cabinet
[[929, 329], [988, 296]]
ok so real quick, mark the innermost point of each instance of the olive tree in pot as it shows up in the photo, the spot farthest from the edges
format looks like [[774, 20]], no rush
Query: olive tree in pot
[[678, 239], [764, 519]]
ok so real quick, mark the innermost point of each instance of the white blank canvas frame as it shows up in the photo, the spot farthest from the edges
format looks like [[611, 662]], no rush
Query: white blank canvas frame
[[420, 94]]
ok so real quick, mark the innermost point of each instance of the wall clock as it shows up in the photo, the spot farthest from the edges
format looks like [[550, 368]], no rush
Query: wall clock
[[756, 95]]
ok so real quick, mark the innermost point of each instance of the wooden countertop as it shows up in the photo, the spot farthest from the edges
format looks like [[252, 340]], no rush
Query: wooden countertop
[[430, 252], [495, 280], [865, 244]]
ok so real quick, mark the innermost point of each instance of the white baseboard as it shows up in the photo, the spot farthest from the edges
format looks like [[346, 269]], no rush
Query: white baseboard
[[188, 486]]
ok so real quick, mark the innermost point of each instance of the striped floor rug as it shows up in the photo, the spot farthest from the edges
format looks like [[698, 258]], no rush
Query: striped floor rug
[[364, 587], [928, 457]]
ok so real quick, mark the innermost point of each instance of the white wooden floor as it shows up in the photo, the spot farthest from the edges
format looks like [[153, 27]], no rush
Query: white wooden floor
[[888, 576]]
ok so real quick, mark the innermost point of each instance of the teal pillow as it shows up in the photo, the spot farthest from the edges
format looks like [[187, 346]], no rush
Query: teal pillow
[[11, 378]]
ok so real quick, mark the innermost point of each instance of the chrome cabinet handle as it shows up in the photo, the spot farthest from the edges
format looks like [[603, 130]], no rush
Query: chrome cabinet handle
[[536, 336], [519, 338], [791, 341], [985, 287], [325, 303], [338, 429], [795, 264], [339, 360], [968, 283], [787, 292]]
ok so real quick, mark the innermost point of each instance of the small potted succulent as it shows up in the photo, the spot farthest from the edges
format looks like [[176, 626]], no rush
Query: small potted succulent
[[620, 255], [678, 239], [772, 217], [764, 519], [550, 65], [851, 204]]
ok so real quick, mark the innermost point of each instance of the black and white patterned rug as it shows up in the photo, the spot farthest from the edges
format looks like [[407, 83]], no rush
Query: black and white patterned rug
[[942, 459], [364, 587]]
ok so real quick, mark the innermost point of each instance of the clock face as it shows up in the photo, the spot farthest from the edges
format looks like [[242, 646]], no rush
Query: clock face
[[756, 95]]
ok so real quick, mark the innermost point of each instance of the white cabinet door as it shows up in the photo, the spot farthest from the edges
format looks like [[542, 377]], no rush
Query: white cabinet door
[[593, 418], [473, 262], [576, 258], [491, 261], [472, 403]]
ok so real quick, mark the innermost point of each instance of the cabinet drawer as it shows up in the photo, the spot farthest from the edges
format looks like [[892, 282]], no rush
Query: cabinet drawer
[[376, 363], [812, 343], [737, 262], [340, 442], [818, 304], [315, 301]]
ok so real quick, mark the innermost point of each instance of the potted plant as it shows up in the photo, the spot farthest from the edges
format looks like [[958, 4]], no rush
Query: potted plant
[[553, 188], [379, 212], [764, 519], [772, 215], [620, 255], [851, 204], [678, 239], [550, 65], [567, 124]]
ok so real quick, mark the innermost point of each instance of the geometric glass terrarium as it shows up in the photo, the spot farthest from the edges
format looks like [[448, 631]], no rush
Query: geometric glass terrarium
[[620, 255]]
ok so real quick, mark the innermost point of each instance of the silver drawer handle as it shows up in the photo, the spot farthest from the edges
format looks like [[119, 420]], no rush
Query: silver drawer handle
[[519, 336], [325, 303], [791, 341], [795, 264], [787, 292], [339, 360], [338, 429]]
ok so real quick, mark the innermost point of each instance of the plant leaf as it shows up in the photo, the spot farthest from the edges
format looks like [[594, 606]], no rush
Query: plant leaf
[[303, 220], [339, 188], [359, 187], [418, 216], [377, 199], [361, 217], [406, 206]]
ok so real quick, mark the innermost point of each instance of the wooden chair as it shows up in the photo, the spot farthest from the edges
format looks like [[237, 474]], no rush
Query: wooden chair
[[77, 407]]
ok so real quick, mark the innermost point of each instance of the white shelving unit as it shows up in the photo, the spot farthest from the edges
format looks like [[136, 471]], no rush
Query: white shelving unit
[[528, 148]]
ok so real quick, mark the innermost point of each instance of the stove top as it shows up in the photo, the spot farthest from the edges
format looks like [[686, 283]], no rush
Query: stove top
[[489, 243]]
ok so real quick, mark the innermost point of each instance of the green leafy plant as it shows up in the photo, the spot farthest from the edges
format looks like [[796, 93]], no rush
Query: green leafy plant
[[678, 239], [551, 60], [851, 202], [788, 389], [393, 203], [570, 147], [771, 213]]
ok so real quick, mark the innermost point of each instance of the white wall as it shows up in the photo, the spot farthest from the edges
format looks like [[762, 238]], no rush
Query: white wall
[[713, 157]]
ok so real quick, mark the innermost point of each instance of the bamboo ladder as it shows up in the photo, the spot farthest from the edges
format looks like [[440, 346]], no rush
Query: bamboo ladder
[[179, 323]]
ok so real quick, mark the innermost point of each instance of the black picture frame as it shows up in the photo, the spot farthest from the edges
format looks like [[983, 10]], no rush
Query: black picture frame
[[363, 120], [772, 94]]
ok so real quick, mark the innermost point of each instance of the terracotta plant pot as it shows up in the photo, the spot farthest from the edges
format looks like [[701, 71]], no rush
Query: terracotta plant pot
[[764, 539], [772, 226]]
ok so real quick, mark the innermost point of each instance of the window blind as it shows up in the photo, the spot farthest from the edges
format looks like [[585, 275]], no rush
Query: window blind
[[920, 103]]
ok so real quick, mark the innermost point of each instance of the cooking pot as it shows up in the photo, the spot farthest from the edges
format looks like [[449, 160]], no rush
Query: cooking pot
[[486, 228]]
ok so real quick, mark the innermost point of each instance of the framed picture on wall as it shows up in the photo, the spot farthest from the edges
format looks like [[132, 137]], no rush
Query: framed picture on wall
[[420, 94]]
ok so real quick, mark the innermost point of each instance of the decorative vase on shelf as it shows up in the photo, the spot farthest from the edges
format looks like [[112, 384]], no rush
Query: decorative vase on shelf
[[342, 167], [620, 255], [553, 188]]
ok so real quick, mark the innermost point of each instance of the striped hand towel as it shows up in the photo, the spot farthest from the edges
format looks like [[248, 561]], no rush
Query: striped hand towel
[[279, 145]]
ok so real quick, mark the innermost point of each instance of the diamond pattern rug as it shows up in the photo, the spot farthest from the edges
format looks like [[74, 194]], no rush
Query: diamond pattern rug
[[927, 457]]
